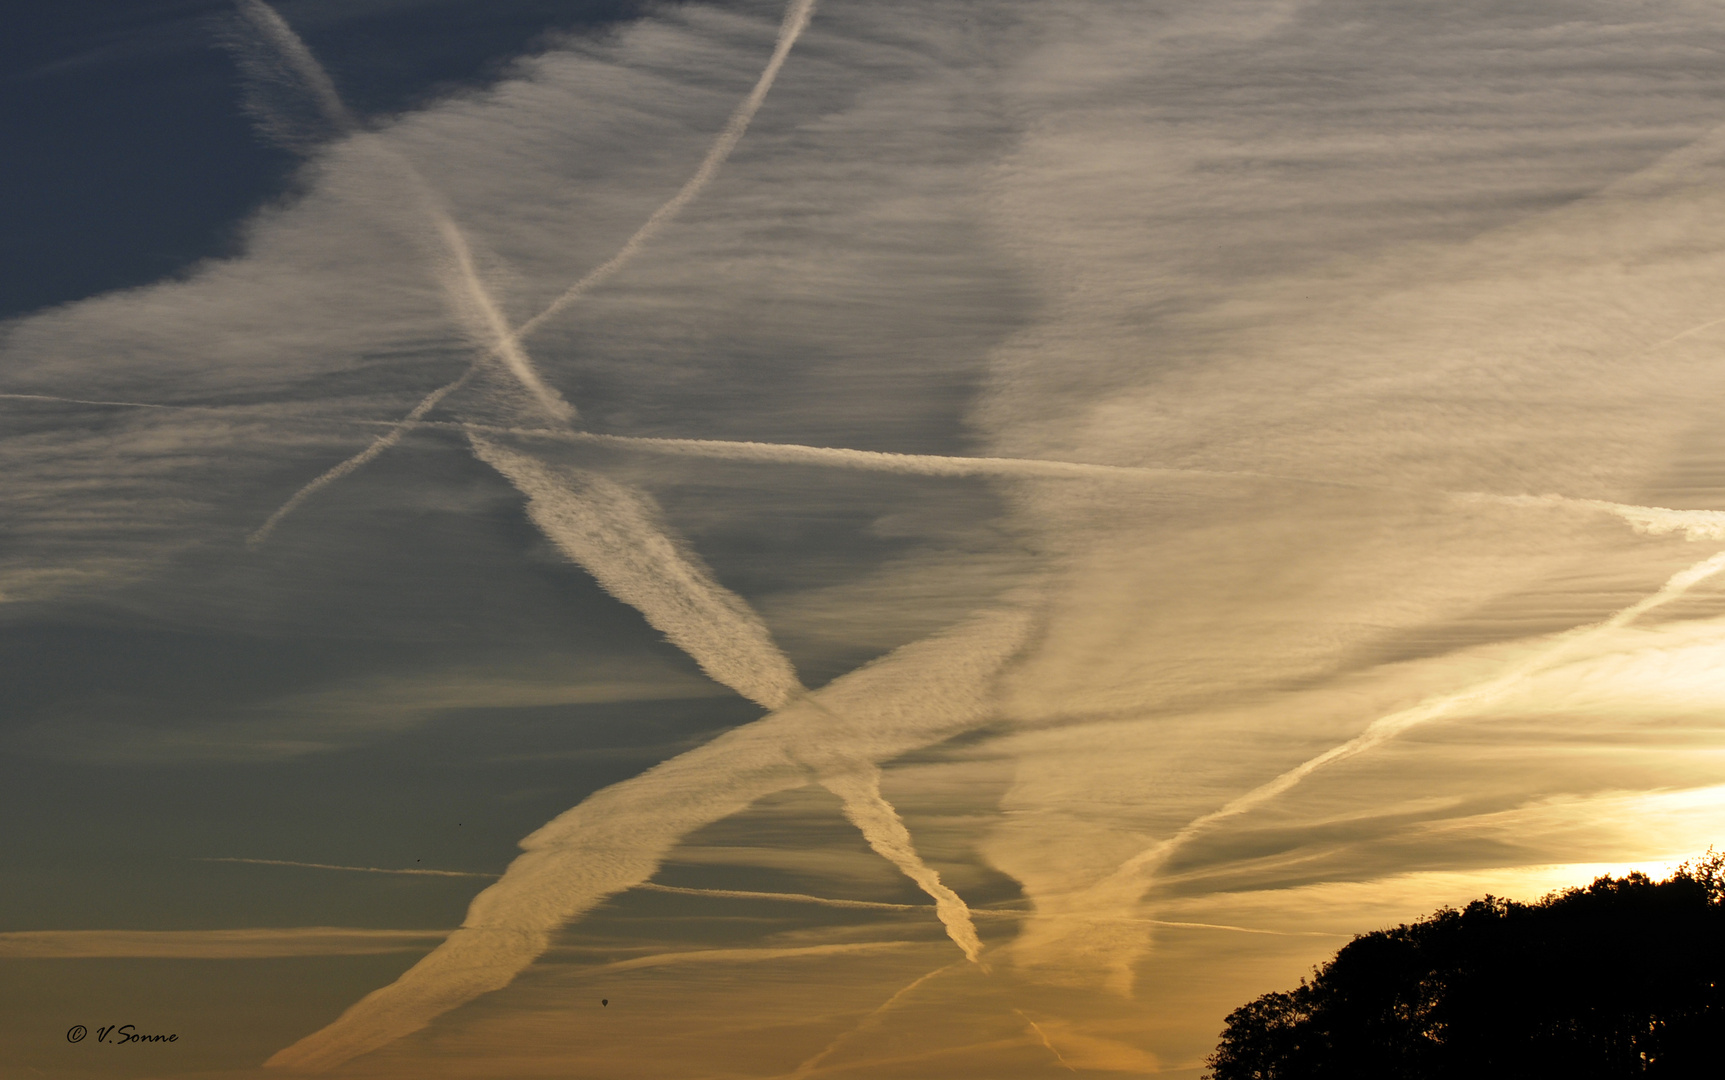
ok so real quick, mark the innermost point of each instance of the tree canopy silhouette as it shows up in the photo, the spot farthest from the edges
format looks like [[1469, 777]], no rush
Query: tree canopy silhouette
[[1625, 977]]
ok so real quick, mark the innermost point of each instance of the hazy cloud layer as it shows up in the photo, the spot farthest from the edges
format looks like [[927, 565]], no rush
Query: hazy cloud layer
[[1231, 476]]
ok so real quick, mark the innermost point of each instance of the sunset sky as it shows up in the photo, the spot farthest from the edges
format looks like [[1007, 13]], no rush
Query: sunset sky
[[858, 538]]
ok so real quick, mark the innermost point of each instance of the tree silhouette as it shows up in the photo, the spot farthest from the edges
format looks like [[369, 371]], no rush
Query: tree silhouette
[[1625, 977]]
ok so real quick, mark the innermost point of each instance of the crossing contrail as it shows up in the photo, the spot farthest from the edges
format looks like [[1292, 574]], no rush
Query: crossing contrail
[[755, 955], [466, 294], [615, 533], [795, 20], [397, 431]]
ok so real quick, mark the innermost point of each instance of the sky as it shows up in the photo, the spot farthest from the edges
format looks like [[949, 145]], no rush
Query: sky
[[903, 540]]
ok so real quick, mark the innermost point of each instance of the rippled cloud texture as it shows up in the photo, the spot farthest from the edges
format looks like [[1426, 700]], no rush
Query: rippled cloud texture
[[927, 540]]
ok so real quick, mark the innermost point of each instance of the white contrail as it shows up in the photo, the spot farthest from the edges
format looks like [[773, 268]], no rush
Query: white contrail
[[859, 788], [1128, 884], [791, 897], [1674, 338], [753, 956], [615, 840], [608, 529], [615, 534], [1040, 1034], [764, 453], [796, 18], [256, 943], [877, 460], [357, 869], [88, 401], [397, 431], [1236, 929], [471, 302], [487, 324]]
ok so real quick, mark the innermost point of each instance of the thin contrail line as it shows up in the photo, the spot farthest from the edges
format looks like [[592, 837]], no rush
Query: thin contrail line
[[356, 869], [1235, 929], [868, 1022], [858, 786], [473, 304], [463, 288], [992, 913], [798, 898], [880, 460], [305, 65], [1674, 338], [308, 418], [87, 401], [977, 913], [1040, 1034]]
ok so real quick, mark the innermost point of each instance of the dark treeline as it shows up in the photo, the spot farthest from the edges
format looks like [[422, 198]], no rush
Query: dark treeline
[[1625, 977]]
